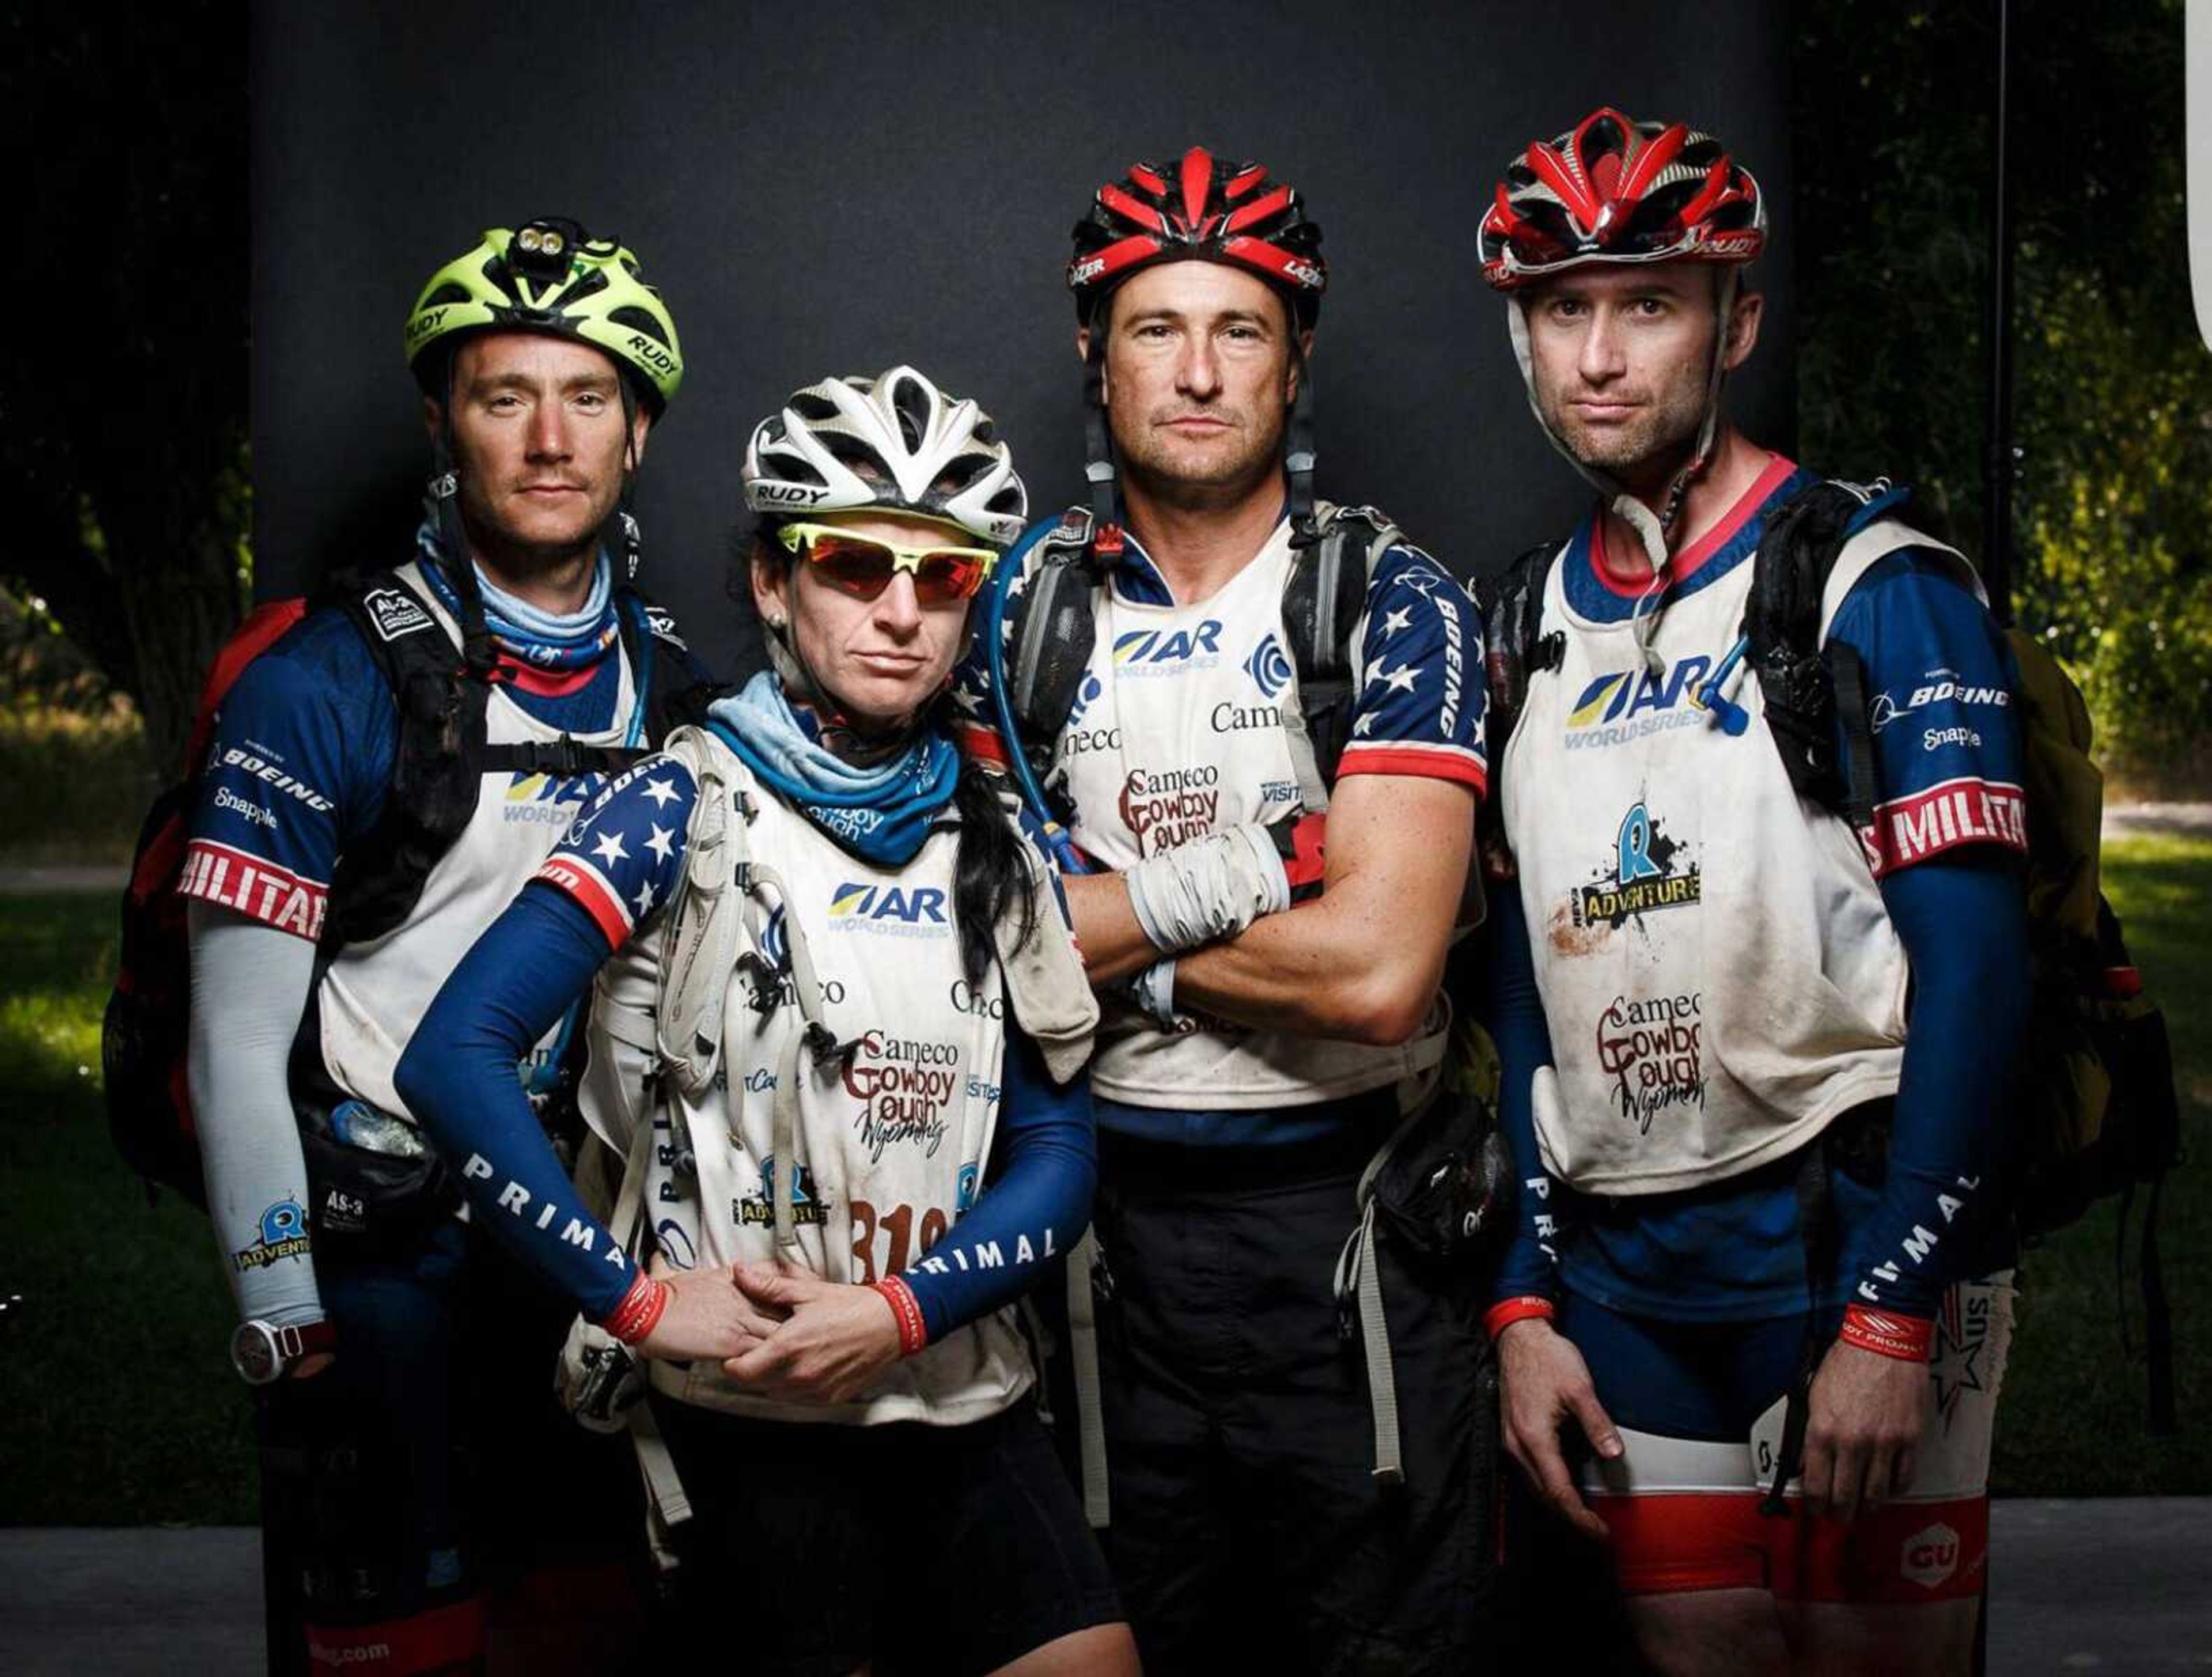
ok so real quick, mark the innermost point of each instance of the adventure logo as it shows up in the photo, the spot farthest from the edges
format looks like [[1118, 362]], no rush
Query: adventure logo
[[1627, 705], [911, 911], [1642, 879], [1650, 1050], [904, 1087], [283, 1233], [1170, 807], [758, 1207]]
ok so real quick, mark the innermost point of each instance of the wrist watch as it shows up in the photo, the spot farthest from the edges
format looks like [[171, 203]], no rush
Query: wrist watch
[[261, 1352]]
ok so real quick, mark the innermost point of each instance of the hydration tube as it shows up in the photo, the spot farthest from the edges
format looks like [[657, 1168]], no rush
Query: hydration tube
[[1070, 860]]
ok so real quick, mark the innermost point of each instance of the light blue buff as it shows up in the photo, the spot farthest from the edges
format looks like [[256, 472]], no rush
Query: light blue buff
[[880, 814]]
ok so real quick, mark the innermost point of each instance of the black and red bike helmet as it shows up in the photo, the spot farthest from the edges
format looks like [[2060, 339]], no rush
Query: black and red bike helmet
[[1199, 208], [1614, 190]]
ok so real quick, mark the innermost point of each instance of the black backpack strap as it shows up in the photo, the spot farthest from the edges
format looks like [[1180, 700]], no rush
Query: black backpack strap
[[1324, 596], [1053, 639], [1797, 552], [1847, 674], [440, 698], [677, 690], [1511, 604]]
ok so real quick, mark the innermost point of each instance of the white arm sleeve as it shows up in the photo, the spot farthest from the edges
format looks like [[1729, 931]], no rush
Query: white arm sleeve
[[250, 984]]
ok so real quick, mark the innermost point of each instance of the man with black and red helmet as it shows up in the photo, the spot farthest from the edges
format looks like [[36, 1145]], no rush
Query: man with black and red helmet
[[1754, 1060], [1222, 734]]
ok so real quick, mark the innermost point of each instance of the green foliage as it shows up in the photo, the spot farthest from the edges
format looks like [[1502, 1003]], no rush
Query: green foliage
[[2112, 405], [2071, 1423], [82, 773], [123, 1410]]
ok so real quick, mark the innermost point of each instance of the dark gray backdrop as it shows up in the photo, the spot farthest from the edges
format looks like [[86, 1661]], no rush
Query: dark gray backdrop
[[830, 189]]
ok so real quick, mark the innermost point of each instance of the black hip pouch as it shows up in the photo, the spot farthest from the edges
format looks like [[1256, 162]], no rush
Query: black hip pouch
[[374, 1181]]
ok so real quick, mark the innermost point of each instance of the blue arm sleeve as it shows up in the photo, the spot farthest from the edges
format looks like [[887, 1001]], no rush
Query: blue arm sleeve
[[458, 1076], [1515, 1022], [1035, 1208], [1963, 919]]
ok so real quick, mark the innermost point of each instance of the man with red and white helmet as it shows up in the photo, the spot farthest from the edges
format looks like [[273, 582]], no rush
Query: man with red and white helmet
[[1224, 735], [1754, 1060]]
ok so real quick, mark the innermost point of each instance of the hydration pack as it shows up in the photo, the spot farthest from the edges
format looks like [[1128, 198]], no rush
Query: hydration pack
[[442, 695], [2095, 1112], [1324, 598]]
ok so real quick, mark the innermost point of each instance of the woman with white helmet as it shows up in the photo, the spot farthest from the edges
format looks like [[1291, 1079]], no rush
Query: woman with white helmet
[[838, 1033]]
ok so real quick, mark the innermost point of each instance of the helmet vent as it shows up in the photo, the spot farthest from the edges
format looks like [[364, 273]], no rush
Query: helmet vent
[[637, 320], [793, 467], [910, 400], [451, 292], [809, 406]]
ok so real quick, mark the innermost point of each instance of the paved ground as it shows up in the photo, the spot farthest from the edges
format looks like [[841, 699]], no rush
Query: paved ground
[[2114, 1586]]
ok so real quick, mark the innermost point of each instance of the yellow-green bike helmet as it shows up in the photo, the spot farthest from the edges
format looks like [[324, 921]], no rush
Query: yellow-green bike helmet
[[551, 277]]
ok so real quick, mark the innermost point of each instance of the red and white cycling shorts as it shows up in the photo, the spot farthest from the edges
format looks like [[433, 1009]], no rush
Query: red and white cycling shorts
[[1684, 1512]]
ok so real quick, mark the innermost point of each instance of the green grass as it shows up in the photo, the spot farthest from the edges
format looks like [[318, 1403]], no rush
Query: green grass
[[122, 1409], [2072, 1420], [120, 1403]]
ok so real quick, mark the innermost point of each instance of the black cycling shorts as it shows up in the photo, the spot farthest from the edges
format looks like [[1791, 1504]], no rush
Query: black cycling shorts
[[812, 1550], [1248, 1532]]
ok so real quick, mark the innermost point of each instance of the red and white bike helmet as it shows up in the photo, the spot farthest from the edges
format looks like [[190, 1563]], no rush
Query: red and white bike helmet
[[1612, 190]]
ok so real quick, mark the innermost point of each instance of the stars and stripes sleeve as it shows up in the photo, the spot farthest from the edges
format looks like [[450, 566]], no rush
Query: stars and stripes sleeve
[[1946, 733], [621, 860], [1418, 709]]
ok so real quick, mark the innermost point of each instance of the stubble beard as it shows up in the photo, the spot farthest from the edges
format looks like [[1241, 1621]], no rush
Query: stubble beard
[[1645, 453], [1174, 477], [515, 555]]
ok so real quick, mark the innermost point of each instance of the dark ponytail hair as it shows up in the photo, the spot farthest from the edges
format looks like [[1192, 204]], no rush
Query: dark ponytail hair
[[991, 877]]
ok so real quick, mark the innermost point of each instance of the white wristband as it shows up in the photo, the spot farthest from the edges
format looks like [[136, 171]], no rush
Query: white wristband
[[1153, 991], [1209, 888]]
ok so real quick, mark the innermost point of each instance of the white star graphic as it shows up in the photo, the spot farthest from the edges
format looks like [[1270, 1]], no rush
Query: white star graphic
[[1365, 725], [609, 849], [662, 792], [661, 843], [1401, 618], [1401, 679], [644, 898]]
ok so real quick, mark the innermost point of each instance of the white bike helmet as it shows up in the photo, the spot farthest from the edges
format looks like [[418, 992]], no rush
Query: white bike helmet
[[895, 441]]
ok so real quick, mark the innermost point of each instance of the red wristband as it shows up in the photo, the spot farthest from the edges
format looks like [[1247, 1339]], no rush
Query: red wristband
[[913, 1331], [1908, 1338], [640, 1310], [1507, 1312]]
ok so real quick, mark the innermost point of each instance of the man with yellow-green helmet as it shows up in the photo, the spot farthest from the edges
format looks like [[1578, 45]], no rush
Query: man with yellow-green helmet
[[382, 780]]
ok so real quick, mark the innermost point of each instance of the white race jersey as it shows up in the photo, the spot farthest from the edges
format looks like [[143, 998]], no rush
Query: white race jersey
[[891, 1144]]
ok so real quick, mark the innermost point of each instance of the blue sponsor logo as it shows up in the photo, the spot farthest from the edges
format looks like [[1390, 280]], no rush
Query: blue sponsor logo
[[1090, 689], [1268, 667], [1627, 705], [1161, 652], [912, 910]]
